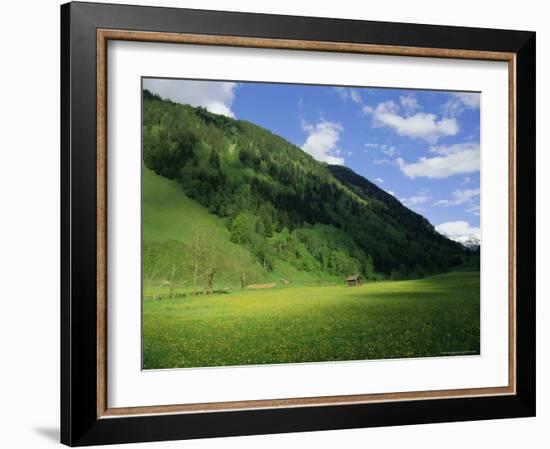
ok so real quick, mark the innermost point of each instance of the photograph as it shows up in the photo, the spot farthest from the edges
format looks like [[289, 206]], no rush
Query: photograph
[[293, 223]]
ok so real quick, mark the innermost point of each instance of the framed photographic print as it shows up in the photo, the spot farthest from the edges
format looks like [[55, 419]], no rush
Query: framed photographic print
[[276, 224]]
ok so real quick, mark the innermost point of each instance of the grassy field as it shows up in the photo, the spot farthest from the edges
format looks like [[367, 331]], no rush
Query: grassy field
[[435, 316]]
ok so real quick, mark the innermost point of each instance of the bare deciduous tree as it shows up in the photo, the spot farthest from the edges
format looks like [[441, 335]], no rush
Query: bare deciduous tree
[[207, 259], [170, 281], [198, 248], [243, 264]]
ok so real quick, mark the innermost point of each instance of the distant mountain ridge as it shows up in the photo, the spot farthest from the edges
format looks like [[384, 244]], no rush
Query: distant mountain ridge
[[282, 204]]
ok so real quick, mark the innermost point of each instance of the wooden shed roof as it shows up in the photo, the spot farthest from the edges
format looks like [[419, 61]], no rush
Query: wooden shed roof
[[353, 277]]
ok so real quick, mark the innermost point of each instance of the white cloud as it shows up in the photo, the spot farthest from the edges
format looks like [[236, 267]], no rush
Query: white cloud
[[460, 101], [388, 150], [216, 96], [379, 180], [342, 93], [420, 125], [473, 209], [460, 197], [446, 150], [368, 109], [346, 94], [459, 231], [390, 192], [467, 180], [410, 103], [381, 161], [450, 160], [322, 141], [355, 96], [413, 201], [471, 100]]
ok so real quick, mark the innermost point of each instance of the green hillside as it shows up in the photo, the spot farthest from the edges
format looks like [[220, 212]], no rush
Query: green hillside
[[170, 223], [227, 203], [168, 214], [416, 228]]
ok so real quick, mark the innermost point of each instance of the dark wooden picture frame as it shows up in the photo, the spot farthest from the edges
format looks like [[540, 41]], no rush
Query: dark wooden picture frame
[[86, 29]]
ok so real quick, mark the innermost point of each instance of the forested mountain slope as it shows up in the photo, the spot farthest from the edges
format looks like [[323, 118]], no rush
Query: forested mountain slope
[[283, 206]]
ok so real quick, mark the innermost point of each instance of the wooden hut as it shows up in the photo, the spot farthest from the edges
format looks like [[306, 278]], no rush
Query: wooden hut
[[354, 280]]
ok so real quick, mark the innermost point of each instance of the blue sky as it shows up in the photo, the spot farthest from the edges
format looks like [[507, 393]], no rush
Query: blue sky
[[420, 146]]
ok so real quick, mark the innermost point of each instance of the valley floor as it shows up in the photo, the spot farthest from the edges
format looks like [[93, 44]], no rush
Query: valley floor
[[435, 316]]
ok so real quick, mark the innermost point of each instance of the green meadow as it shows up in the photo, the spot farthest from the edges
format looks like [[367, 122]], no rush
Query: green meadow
[[435, 316]]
